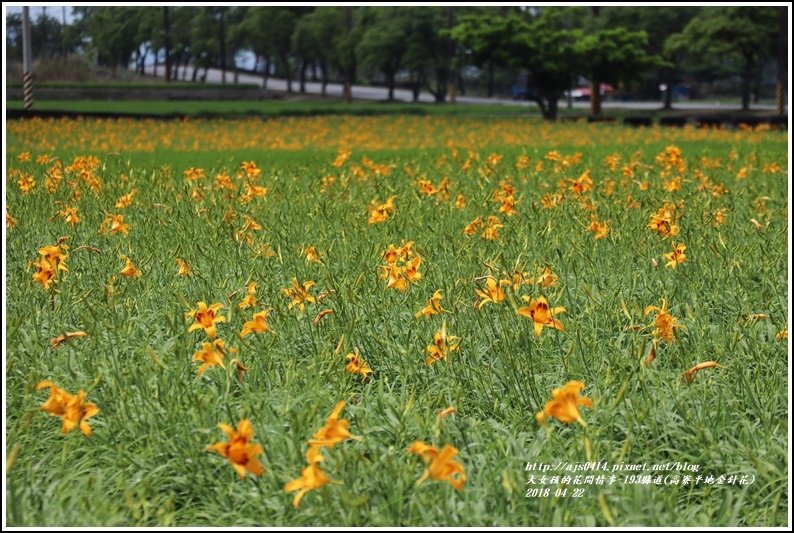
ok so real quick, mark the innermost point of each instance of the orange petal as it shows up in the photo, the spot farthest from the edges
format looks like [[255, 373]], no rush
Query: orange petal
[[689, 375]]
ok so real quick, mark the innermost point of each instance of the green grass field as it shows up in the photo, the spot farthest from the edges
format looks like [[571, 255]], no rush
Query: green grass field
[[273, 108], [147, 462]]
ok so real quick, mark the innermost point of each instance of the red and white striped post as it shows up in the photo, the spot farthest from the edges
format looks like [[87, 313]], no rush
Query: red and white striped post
[[27, 60]]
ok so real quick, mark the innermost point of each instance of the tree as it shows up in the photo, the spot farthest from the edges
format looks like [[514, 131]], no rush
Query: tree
[[659, 23], [739, 37], [611, 56], [384, 43], [551, 57], [112, 32], [484, 36], [270, 30]]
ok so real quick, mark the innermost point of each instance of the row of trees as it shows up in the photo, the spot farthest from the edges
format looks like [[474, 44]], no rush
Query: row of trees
[[430, 47]]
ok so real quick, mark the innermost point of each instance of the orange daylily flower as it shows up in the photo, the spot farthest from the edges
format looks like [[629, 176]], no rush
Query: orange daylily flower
[[547, 278], [473, 226], [599, 229], [357, 365], [55, 255], [664, 323], [184, 269], [211, 354], [441, 465], [782, 335], [493, 292], [312, 477], [433, 306], [312, 255], [250, 299], [334, 431], [299, 294], [564, 405], [239, 449], [492, 227], [74, 410], [676, 257], [45, 273], [206, 318], [442, 345], [10, 221], [116, 224], [258, 324], [129, 269], [126, 200], [69, 215], [541, 314], [381, 212], [250, 169]]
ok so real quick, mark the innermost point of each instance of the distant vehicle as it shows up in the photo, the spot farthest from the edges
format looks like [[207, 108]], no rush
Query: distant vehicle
[[583, 93], [521, 92]]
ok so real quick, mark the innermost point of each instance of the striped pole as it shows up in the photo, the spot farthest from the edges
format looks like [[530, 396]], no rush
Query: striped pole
[[27, 61]]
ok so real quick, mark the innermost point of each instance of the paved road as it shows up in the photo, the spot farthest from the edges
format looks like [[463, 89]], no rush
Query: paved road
[[364, 92]]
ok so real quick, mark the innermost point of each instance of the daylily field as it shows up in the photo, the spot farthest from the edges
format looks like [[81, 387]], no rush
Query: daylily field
[[380, 321]]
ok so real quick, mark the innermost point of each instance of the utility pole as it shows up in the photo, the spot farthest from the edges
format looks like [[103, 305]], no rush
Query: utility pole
[[63, 30], [27, 61]]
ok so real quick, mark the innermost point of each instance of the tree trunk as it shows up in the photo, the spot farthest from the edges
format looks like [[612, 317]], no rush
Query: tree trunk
[[195, 73], [204, 76], [452, 91], [490, 78], [668, 94], [542, 105], [167, 43], [304, 66], [315, 79], [782, 60], [236, 73], [551, 113], [415, 85], [265, 72], [288, 72], [595, 98], [324, 77], [222, 41], [747, 80]]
